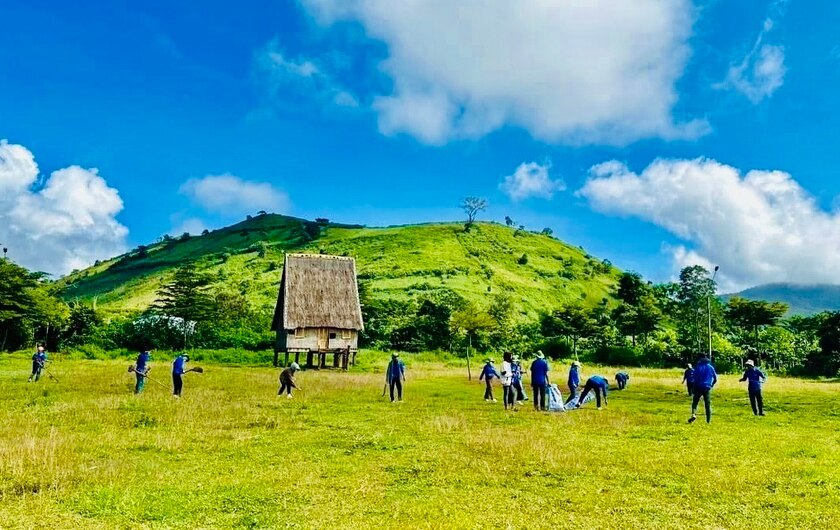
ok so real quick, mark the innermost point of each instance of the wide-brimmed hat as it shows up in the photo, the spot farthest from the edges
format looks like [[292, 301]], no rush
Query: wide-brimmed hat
[[750, 362], [540, 354], [576, 363], [515, 358], [491, 360], [295, 367], [395, 354]]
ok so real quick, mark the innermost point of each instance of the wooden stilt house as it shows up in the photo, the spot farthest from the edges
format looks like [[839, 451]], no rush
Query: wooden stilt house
[[318, 313]]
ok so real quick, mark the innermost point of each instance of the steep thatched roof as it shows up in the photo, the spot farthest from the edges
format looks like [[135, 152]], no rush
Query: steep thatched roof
[[318, 291]]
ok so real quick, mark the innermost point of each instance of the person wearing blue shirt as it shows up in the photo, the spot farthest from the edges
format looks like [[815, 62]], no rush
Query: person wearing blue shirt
[[705, 378], [574, 381], [517, 380], [141, 369], [756, 378], [39, 359], [596, 384], [178, 370], [487, 374], [394, 376], [540, 381], [688, 379], [621, 379]]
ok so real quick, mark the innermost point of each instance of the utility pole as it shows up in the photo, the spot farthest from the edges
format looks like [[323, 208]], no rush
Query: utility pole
[[709, 308]]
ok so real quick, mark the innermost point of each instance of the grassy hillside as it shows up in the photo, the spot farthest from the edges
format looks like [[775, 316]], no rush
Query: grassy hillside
[[802, 299], [397, 262]]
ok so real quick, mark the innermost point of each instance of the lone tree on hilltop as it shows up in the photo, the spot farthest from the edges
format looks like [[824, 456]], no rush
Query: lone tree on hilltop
[[471, 206]]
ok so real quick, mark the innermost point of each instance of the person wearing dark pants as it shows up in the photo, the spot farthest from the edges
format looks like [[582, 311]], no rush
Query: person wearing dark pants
[[517, 380], [508, 392], [540, 381], [756, 378], [487, 374], [688, 379], [574, 381], [141, 369], [596, 384], [705, 378], [287, 380], [178, 370], [621, 379], [39, 359], [394, 377]]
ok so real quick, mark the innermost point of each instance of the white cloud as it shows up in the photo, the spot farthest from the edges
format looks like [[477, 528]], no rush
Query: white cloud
[[597, 71], [531, 180], [762, 70], [760, 227], [63, 223], [281, 75], [231, 195]]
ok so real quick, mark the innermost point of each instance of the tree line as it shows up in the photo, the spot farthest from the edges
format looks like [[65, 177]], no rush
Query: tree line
[[187, 313], [663, 324]]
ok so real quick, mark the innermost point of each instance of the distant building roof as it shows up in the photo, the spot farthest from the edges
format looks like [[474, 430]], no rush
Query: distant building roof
[[318, 291]]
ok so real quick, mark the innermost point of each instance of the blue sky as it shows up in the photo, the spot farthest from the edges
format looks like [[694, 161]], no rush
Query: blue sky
[[376, 112]]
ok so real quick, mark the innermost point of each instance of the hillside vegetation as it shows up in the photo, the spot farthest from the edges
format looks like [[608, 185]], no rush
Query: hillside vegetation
[[539, 272]]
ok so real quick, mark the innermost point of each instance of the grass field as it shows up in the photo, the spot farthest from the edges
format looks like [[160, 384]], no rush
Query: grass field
[[86, 453]]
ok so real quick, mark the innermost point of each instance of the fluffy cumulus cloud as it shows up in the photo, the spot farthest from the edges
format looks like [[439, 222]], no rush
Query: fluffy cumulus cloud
[[761, 71], [531, 180], [60, 223], [595, 71], [230, 195], [759, 227]]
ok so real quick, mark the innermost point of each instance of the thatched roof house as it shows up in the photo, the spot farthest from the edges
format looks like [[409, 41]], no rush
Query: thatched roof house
[[318, 307]]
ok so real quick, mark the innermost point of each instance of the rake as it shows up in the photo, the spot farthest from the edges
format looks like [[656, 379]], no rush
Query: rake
[[197, 369], [132, 369]]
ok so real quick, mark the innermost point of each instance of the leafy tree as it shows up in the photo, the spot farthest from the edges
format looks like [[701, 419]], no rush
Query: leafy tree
[[694, 296], [471, 206], [16, 285], [826, 360], [642, 318], [509, 222], [82, 323], [547, 232], [185, 296], [631, 288], [574, 322], [753, 315]]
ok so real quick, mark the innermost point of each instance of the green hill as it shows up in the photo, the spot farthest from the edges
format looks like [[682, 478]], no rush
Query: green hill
[[537, 270], [802, 299]]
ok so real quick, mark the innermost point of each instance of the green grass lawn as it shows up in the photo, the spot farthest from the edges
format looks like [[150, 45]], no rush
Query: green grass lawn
[[86, 453]]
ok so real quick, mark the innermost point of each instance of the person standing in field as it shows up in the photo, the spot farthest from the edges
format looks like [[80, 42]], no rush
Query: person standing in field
[[178, 371], [705, 378], [621, 379], [756, 378], [574, 381], [508, 395], [540, 381], [39, 359], [142, 369], [287, 380], [688, 379], [517, 380], [596, 384], [394, 376], [487, 374]]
